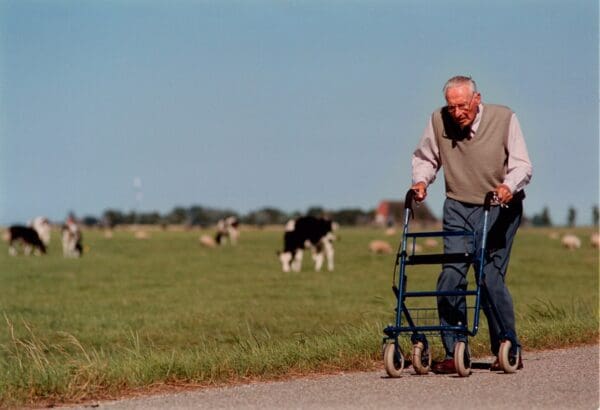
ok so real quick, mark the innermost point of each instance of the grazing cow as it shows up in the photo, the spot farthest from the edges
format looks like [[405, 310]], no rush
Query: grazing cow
[[71, 239], [307, 232], [34, 237], [227, 228]]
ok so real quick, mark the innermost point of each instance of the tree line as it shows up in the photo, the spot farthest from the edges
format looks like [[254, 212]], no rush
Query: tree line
[[205, 216], [543, 218]]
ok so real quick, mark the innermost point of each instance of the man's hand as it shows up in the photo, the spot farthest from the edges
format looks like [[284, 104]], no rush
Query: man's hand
[[420, 189], [504, 194]]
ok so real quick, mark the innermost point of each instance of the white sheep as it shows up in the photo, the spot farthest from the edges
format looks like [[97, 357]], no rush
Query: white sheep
[[141, 234], [380, 247], [431, 243], [595, 240], [208, 241], [571, 242]]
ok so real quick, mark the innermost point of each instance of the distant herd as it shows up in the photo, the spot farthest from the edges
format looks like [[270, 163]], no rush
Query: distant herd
[[304, 233], [314, 234], [34, 238]]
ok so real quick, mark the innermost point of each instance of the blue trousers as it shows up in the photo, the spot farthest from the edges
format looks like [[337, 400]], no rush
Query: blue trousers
[[502, 227]]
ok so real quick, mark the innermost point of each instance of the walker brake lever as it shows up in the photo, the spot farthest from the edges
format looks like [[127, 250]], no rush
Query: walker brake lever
[[496, 201]]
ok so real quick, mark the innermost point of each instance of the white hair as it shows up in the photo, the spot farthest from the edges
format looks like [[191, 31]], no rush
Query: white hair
[[459, 80]]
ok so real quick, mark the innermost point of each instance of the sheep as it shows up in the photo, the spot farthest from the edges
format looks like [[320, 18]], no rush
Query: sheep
[[141, 234], [571, 242], [380, 247], [207, 241], [431, 243], [595, 240], [418, 248]]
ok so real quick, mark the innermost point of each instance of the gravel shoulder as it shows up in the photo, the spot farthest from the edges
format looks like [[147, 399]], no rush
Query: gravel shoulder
[[555, 379]]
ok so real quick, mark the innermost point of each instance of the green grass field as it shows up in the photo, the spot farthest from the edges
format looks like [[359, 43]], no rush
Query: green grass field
[[136, 313]]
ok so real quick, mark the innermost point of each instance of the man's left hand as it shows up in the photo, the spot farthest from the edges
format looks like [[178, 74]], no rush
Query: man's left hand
[[504, 194]]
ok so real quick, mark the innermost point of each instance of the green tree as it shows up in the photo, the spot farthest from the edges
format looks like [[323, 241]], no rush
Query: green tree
[[595, 215], [352, 216], [542, 219], [90, 220], [572, 217], [266, 216], [177, 216], [149, 218], [316, 211], [112, 217]]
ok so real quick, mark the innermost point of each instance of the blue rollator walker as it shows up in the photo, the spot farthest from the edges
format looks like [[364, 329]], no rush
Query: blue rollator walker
[[393, 357]]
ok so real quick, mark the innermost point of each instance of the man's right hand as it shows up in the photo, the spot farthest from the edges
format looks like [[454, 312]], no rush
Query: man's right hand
[[420, 189]]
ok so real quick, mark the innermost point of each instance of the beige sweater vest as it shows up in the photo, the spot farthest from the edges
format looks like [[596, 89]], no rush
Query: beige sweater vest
[[473, 166]]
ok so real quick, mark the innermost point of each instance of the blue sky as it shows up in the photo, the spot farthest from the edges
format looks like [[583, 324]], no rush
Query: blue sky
[[290, 104]]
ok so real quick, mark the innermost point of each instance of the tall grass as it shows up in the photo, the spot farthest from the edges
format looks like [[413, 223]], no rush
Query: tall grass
[[135, 313]]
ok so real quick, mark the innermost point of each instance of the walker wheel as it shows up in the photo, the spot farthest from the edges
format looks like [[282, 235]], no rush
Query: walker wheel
[[508, 360], [393, 360], [421, 359], [462, 361]]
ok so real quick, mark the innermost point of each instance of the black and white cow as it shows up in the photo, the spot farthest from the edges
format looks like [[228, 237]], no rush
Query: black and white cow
[[227, 228], [71, 239], [317, 234], [34, 237]]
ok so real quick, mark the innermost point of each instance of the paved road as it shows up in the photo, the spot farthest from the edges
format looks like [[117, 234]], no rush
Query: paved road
[[557, 379]]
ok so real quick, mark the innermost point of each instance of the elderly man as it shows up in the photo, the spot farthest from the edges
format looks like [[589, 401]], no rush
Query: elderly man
[[482, 149]]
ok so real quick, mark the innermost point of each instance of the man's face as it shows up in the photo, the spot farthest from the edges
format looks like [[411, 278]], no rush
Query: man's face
[[462, 104]]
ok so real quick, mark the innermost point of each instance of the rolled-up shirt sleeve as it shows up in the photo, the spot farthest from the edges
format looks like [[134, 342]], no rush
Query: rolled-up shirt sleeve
[[426, 158], [519, 169]]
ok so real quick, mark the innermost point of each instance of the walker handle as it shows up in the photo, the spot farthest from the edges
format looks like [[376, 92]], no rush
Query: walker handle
[[408, 201], [489, 198]]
